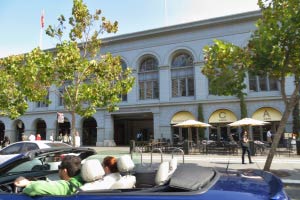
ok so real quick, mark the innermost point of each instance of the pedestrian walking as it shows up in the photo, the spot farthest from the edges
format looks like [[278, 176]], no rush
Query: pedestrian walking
[[38, 137], [245, 147], [31, 137], [77, 140], [269, 137]]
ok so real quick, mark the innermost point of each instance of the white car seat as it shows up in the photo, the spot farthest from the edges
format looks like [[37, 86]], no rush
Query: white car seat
[[125, 165], [92, 173], [165, 170], [162, 173], [173, 166]]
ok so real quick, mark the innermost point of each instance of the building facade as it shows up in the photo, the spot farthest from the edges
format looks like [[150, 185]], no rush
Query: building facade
[[169, 88]]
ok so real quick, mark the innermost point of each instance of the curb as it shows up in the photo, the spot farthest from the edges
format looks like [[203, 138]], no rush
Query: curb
[[290, 181]]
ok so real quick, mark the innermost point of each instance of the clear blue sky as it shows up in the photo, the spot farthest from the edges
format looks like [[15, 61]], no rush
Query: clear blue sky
[[20, 19]]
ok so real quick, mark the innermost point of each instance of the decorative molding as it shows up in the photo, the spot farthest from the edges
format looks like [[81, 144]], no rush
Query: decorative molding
[[164, 67]]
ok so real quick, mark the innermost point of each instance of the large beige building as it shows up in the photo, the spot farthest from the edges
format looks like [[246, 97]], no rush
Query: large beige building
[[169, 88]]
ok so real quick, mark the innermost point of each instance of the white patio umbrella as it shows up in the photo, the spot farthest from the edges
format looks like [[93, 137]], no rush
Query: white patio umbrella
[[191, 123], [248, 122]]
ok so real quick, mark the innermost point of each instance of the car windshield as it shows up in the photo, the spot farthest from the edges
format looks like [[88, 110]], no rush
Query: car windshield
[[50, 162], [39, 160]]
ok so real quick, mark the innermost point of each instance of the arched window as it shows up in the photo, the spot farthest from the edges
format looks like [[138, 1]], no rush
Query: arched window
[[182, 75], [148, 79]]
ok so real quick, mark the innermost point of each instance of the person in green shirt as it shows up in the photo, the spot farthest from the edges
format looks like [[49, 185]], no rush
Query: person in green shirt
[[69, 173]]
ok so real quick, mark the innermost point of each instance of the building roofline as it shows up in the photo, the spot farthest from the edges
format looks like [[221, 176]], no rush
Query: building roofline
[[252, 15], [245, 16]]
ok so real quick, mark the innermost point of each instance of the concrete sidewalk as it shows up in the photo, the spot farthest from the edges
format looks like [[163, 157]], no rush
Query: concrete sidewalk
[[287, 167]]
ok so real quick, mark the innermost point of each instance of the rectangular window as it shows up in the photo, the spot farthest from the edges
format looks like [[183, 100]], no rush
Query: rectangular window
[[273, 84], [142, 90], [124, 97], [60, 98], [262, 83], [43, 104], [155, 90], [253, 83], [149, 89], [191, 86], [183, 87], [174, 88]]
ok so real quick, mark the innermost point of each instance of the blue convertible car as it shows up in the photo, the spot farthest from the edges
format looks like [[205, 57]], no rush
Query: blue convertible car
[[167, 180]]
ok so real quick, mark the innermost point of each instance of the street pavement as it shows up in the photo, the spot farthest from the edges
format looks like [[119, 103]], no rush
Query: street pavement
[[287, 166]]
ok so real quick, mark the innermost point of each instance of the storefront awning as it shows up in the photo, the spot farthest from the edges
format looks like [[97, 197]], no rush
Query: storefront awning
[[181, 117], [267, 114], [222, 116]]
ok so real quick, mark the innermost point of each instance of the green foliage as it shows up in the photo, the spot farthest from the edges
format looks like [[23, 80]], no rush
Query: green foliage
[[201, 119], [225, 66], [276, 42], [23, 77], [90, 80], [84, 78], [273, 49]]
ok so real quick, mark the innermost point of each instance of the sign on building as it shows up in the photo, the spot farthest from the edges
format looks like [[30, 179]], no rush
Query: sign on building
[[60, 117]]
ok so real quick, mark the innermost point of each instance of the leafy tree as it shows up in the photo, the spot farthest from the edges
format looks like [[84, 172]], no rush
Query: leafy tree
[[83, 77], [225, 68], [22, 84], [89, 79], [274, 50]]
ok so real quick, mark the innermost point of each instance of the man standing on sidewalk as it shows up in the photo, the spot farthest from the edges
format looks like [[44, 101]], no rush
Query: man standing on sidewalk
[[269, 137]]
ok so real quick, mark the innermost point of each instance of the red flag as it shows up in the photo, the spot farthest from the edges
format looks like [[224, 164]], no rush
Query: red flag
[[42, 19]]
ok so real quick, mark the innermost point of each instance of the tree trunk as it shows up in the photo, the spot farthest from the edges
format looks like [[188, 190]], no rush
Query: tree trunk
[[243, 106], [288, 109], [73, 127], [276, 139]]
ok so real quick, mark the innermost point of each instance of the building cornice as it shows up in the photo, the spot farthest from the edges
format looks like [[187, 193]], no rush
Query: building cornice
[[230, 19]]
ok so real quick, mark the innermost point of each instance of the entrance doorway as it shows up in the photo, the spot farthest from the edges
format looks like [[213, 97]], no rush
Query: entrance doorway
[[64, 128], [89, 132], [126, 127], [41, 128], [2, 131], [20, 127]]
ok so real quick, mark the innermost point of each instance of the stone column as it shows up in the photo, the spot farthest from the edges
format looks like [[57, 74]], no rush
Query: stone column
[[164, 83], [201, 82], [109, 131]]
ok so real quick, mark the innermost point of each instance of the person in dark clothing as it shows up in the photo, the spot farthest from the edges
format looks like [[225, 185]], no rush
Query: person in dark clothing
[[5, 142], [245, 147]]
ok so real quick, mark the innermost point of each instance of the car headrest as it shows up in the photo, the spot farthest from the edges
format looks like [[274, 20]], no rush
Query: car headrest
[[125, 164], [173, 165], [162, 173], [92, 170]]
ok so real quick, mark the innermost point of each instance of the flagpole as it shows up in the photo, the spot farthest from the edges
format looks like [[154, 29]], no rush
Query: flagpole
[[166, 13], [42, 28]]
